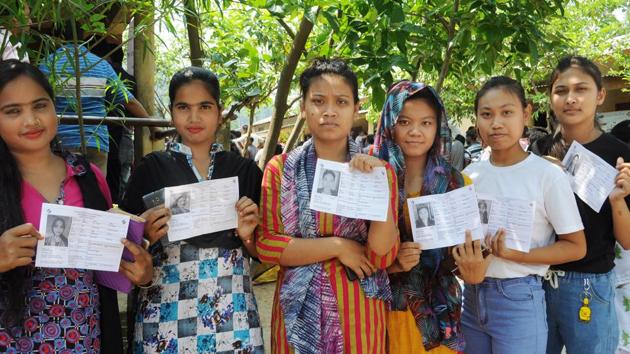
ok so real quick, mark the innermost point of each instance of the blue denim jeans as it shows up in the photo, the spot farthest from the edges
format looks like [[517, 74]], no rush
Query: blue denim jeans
[[505, 316], [601, 334]]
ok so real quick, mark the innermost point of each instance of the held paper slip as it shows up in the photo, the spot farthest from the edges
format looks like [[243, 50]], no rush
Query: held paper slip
[[592, 179], [80, 238], [202, 208], [516, 216], [135, 233], [353, 194], [441, 220]]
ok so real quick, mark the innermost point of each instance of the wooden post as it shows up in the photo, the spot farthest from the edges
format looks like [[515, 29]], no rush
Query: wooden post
[[144, 71]]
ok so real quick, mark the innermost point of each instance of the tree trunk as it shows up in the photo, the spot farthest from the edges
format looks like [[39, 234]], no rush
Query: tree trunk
[[295, 134], [224, 136], [194, 36], [144, 71], [284, 86], [445, 66]]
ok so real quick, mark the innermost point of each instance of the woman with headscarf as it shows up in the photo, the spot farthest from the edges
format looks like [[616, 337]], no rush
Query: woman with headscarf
[[412, 135]]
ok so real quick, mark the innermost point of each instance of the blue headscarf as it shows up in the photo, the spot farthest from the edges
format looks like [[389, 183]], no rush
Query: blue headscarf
[[429, 290]]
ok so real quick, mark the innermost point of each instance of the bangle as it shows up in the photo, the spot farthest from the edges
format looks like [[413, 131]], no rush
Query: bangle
[[149, 285], [248, 240]]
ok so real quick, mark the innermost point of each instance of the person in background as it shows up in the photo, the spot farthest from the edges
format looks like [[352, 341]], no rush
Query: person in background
[[121, 150], [370, 144], [252, 150], [361, 139], [473, 150], [456, 155], [259, 153], [97, 78], [240, 141]]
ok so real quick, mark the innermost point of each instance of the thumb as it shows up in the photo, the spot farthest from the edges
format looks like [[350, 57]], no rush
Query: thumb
[[619, 161]]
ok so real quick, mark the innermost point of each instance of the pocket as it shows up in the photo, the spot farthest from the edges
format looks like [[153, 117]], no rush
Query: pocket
[[517, 291], [602, 289]]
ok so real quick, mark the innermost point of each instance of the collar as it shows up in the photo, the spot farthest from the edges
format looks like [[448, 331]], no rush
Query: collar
[[187, 152]]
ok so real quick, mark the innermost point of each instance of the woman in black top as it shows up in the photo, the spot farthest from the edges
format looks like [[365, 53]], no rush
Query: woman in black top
[[580, 294], [202, 299]]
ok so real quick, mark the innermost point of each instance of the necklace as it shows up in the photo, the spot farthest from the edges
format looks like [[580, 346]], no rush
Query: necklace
[[61, 196]]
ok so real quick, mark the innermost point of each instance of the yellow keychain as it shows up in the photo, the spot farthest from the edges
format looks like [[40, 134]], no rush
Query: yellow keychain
[[585, 311]]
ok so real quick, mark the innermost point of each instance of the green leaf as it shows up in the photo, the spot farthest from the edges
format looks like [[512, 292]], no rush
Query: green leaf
[[332, 20], [378, 95], [397, 15]]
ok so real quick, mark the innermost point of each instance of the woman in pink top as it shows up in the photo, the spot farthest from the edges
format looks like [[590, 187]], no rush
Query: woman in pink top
[[47, 310]]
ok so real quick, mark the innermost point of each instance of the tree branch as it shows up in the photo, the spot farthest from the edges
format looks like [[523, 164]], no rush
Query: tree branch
[[284, 86], [449, 48], [295, 133], [286, 28], [194, 35]]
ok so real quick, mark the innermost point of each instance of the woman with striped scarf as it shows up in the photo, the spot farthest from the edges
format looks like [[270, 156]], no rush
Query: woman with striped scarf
[[318, 308]]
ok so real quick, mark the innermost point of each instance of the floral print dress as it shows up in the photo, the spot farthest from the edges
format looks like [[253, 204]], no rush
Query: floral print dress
[[61, 315]]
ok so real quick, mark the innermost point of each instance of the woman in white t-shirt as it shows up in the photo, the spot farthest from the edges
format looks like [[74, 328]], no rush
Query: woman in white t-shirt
[[506, 312]]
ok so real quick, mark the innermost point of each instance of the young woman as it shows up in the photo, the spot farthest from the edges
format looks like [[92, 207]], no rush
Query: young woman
[[426, 307], [576, 91], [202, 299], [48, 310], [506, 312], [318, 308]]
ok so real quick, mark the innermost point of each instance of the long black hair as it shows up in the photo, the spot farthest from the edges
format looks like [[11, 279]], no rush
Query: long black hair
[[13, 283]]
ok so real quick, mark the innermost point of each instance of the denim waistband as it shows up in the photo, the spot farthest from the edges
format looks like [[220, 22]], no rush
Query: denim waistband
[[530, 280], [578, 275], [554, 276]]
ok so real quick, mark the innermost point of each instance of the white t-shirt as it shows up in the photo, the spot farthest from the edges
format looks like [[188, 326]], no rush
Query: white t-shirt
[[534, 179]]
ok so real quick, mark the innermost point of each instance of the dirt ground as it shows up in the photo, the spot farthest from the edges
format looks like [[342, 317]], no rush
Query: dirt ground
[[264, 299]]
